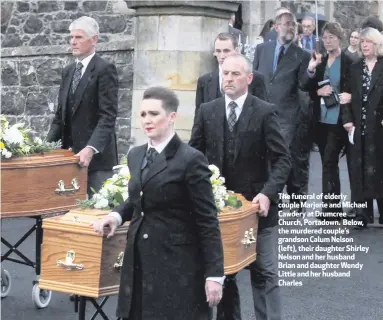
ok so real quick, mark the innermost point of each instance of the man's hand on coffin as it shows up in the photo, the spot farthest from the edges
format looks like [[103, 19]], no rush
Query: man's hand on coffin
[[264, 204], [213, 292], [110, 221], [85, 156]]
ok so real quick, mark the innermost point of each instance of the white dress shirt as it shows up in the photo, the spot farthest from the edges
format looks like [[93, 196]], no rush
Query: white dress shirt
[[85, 63], [239, 101], [220, 78], [159, 148]]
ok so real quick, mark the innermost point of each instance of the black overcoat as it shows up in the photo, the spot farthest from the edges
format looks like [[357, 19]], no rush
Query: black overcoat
[[175, 232], [367, 173]]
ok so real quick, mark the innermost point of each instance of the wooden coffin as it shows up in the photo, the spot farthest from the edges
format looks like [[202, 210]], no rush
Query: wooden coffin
[[239, 235], [94, 269], [41, 184], [93, 263]]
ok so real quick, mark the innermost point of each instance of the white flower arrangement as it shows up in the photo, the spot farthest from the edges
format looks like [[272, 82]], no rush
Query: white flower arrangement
[[114, 191], [15, 141], [219, 188], [222, 196]]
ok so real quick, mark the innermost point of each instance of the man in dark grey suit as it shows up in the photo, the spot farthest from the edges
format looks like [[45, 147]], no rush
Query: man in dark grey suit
[[209, 86], [238, 133], [87, 106], [283, 65]]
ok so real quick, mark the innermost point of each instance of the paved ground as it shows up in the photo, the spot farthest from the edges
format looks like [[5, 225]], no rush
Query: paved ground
[[358, 297]]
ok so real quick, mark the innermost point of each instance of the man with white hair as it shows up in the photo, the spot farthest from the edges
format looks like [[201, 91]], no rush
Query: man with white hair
[[87, 105]]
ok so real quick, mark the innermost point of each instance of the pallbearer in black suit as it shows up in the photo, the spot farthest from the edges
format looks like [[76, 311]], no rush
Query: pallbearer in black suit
[[209, 86], [238, 133], [87, 105], [174, 252]]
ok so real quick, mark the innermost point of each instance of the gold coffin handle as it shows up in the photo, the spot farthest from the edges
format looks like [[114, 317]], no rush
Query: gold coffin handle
[[118, 264], [68, 264], [249, 238], [62, 190]]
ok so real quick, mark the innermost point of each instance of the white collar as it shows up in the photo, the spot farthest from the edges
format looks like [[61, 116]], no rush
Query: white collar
[[240, 101], [160, 147], [86, 60]]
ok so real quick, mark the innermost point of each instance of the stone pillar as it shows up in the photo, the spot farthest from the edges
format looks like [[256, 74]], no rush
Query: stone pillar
[[174, 46]]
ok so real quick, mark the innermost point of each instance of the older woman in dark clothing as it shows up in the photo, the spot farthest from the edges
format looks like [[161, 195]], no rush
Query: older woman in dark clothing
[[363, 119], [329, 133]]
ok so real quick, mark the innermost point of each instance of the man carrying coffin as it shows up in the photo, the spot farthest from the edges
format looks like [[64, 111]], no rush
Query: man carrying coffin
[[209, 86], [237, 133], [87, 105]]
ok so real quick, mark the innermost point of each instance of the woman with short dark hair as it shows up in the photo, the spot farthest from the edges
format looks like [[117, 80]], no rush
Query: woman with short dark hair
[[327, 81]]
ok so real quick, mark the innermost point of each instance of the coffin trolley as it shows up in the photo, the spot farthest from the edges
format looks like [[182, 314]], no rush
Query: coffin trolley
[[32, 187], [78, 261]]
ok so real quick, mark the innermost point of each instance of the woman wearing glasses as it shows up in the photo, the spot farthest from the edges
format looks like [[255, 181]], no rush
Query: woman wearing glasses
[[352, 51]]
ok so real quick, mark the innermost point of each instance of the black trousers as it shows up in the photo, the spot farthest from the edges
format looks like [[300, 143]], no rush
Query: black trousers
[[300, 148], [264, 283], [331, 139]]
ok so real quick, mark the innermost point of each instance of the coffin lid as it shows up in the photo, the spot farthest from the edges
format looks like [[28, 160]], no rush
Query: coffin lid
[[80, 221], [52, 158]]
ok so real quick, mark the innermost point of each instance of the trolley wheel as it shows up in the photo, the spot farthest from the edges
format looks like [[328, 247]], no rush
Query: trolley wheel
[[41, 297], [5, 283]]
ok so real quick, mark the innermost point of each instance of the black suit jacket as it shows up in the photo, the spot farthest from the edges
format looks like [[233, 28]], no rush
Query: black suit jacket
[[258, 138], [174, 227], [208, 88], [94, 114]]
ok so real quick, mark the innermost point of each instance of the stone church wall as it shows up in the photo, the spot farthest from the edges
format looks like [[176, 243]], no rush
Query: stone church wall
[[35, 49]]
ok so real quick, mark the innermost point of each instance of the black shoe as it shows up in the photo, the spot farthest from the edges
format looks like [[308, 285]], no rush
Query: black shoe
[[351, 214], [362, 215], [381, 219]]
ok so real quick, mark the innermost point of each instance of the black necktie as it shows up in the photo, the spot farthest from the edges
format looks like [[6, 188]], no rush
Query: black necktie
[[281, 53], [232, 116], [76, 77], [151, 154]]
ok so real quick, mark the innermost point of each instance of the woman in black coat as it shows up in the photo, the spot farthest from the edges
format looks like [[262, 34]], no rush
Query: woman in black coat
[[363, 119], [173, 262], [329, 133]]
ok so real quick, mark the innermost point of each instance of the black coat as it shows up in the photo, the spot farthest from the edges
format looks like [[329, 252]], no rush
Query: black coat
[[311, 84], [368, 184], [258, 138], [94, 113], [174, 228], [208, 88]]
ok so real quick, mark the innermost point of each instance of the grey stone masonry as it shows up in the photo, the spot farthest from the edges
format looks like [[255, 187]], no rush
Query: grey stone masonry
[[42, 23], [35, 49], [31, 78]]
